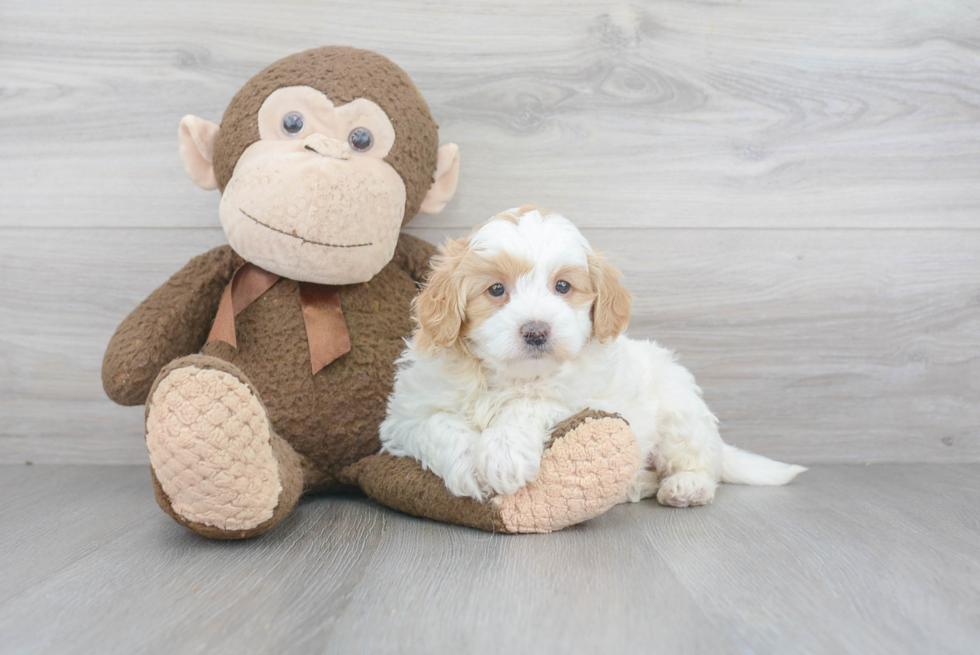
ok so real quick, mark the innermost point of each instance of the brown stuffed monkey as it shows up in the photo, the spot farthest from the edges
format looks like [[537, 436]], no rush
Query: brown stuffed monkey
[[265, 365]]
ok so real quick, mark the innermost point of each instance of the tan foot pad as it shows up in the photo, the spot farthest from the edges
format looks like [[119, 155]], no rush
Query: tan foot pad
[[582, 475], [209, 442]]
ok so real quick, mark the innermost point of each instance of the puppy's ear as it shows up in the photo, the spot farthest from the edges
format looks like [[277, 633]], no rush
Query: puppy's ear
[[611, 309], [440, 308]]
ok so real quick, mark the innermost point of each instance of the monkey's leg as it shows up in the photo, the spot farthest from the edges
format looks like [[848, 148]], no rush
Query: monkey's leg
[[218, 467], [588, 467]]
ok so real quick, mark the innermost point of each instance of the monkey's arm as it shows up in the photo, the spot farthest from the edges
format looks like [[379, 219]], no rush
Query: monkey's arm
[[413, 255], [172, 322]]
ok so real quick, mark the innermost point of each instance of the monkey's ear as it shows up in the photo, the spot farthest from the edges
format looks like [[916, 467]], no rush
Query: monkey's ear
[[197, 137], [445, 179]]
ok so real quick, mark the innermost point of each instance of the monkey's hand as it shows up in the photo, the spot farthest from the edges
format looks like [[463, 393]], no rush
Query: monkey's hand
[[172, 322], [413, 255]]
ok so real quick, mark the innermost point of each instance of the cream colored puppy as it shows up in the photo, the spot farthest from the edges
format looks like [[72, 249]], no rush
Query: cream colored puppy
[[519, 327]]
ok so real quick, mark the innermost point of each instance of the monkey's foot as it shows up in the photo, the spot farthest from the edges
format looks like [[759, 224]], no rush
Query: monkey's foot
[[588, 468], [218, 467]]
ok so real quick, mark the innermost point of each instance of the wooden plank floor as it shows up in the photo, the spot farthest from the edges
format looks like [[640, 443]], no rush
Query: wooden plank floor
[[849, 559]]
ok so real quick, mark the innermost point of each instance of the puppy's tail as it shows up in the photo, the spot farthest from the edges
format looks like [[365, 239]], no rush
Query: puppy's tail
[[743, 467]]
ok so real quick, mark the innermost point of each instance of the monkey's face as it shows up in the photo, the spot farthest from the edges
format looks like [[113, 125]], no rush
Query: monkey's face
[[315, 189], [313, 199]]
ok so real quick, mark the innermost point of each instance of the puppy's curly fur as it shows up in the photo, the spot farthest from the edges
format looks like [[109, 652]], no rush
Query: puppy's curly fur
[[520, 326]]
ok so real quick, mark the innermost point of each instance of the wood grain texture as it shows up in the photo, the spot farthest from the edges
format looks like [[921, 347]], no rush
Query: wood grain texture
[[793, 190], [848, 559], [681, 114]]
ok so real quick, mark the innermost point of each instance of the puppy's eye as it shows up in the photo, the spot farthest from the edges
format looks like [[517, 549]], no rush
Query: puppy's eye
[[292, 123], [360, 139], [496, 290], [562, 287]]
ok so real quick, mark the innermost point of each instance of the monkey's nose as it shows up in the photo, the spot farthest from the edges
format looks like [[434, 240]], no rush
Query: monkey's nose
[[327, 147], [535, 333]]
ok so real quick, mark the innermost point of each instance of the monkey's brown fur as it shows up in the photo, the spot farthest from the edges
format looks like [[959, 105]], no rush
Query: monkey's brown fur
[[324, 427], [350, 74], [331, 419]]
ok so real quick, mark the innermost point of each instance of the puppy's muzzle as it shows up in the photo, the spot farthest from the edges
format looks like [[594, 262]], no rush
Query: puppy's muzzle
[[535, 333]]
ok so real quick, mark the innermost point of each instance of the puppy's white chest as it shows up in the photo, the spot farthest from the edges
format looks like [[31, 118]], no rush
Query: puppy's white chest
[[514, 404]]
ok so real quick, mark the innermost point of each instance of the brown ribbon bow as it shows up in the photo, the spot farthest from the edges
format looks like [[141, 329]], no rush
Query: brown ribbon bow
[[326, 330]]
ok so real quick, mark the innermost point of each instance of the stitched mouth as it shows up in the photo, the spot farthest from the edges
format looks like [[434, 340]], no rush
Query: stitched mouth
[[304, 239]]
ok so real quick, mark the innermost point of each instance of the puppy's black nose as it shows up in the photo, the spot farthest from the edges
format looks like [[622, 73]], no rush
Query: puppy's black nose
[[535, 333]]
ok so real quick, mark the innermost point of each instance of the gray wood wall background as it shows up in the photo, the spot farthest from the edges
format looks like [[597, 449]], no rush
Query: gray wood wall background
[[791, 188]]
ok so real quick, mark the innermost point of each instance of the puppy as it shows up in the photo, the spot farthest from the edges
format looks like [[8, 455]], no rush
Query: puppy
[[519, 327]]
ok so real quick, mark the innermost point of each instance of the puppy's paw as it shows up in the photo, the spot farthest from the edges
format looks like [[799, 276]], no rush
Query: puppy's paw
[[506, 461], [644, 486], [462, 479], [686, 489]]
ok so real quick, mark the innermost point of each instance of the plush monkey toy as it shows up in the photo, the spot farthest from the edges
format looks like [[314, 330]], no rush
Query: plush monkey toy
[[265, 365]]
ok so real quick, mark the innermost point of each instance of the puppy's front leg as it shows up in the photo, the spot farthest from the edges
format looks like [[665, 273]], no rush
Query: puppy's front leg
[[508, 453], [443, 443]]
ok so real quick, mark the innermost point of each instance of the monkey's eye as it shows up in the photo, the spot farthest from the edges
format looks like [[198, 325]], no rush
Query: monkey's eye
[[496, 290], [360, 139], [562, 287], [292, 123]]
